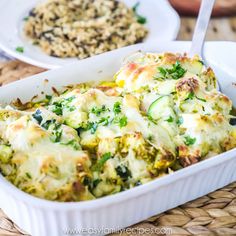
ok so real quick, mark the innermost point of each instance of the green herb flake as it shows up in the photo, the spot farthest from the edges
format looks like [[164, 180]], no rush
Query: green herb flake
[[48, 97], [92, 126], [150, 137], [201, 99], [123, 121], [117, 108], [189, 141], [26, 18], [104, 158], [201, 62], [28, 175], [176, 72], [190, 96], [180, 121], [47, 123], [74, 143], [72, 108], [19, 49], [170, 119], [57, 108], [140, 19], [96, 182], [98, 110], [123, 172], [57, 136], [104, 121], [38, 116]]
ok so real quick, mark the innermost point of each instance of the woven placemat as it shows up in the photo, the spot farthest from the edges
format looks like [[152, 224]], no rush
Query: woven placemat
[[14, 70], [213, 214]]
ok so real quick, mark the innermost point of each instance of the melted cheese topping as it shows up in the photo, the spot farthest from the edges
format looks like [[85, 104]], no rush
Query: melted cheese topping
[[161, 112]]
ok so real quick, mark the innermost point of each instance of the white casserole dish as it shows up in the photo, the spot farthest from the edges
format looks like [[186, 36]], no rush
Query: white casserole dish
[[41, 217]]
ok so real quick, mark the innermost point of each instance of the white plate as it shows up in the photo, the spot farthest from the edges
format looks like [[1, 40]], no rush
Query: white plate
[[42, 218], [162, 22]]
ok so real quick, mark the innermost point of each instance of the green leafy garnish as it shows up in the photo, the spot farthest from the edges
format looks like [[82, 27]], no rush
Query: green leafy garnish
[[190, 96], [38, 116], [57, 136], [104, 121], [176, 72], [92, 126], [117, 107], [26, 18], [122, 121], [170, 119], [48, 97], [57, 109], [58, 106], [20, 49], [140, 19], [123, 172], [47, 123], [105, 157], [180, 121], [201, 99], [74, 143], [98, 110], [189, 141], [28, 175], [201, 62]]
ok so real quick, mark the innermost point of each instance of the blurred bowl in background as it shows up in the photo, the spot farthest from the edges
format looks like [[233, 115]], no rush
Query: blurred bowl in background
[[191, 8]]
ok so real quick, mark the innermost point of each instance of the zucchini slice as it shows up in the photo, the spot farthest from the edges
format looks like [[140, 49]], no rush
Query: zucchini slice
[[161, 108]]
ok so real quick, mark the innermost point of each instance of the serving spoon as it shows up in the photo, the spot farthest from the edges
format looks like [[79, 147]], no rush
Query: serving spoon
[[201, 28]]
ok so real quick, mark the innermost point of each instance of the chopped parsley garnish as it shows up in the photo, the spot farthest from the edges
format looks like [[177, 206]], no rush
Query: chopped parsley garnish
[[57, 109], [96, 182], [191, 95], [122, 121], [92, 126], [104, 121], [74, 143], [57, 136], [150, 137], [98, 110], [68, 100], [140, 19], [201, 99], [26, 18], [117, 107], [38, 116], [176, 72], [20, 49], [170, 119], [105, 157], [123, 172], [189, 141], [180, 121], [201, 62], [28, 175], [47, 123], [48, 97], [58, 106], [91, 183]]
